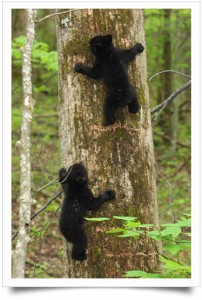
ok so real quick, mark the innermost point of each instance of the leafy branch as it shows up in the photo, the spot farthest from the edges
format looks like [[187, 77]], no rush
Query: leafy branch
[[169, 232]]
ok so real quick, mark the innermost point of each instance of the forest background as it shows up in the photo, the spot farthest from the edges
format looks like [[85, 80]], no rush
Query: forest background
[[168, 45]]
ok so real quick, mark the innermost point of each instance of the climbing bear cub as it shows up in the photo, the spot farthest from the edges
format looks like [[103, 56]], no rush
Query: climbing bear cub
[[77, 201], [111, 65]]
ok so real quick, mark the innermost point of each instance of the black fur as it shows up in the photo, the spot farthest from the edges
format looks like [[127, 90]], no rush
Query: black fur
[[111, 65], [77, 201]]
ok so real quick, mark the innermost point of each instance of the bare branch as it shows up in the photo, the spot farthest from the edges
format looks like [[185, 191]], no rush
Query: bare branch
[[179, 169], [161, 106], [55, 14], [166, 71], [46, 205], [49, 202], [45, 186], [41, 209]]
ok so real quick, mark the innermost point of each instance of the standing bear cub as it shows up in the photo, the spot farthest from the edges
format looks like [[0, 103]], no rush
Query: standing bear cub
[[77, 201], [111, 65]]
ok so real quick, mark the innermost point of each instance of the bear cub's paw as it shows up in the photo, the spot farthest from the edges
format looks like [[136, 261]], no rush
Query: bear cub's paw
[[62, 174], [139, 47], [80, 257], [110, 194], [79, 67]]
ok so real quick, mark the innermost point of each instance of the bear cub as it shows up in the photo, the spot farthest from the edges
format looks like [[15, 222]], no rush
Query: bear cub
[[111, 65], [78, 199]]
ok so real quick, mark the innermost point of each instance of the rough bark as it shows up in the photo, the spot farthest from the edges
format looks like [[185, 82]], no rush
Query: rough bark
[[19, 254], [122, 157]]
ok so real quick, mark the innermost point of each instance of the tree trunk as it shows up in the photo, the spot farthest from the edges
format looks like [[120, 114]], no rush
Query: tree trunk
[[175, 105], [122, 157], [18, 22], [167, 55], [19, 254], [165, 118]]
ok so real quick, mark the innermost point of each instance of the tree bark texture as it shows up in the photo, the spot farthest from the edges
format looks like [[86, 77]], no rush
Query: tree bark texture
[[19, 254], [119, 157]]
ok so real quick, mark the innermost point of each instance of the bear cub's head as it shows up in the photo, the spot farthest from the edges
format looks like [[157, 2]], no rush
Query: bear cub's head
[[99, 43], [75, 175]]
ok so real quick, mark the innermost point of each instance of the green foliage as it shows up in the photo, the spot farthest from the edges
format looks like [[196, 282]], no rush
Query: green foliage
[[97, 219], [52, 207], [40, 54], [172, 269], [142, 274], [170, 233], [44, 65], [128, 224]]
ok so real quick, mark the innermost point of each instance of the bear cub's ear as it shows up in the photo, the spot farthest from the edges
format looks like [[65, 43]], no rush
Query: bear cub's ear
[[108, 38]]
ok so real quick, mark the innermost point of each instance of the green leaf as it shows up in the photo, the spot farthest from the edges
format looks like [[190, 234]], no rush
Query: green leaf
[[173, 248], [134, 234], [173, 265], [184, 223], [188, 215], [174, 231], [142, 274], [137, 224], [181, 223], [97, 219], [155, 234], [132, 224]]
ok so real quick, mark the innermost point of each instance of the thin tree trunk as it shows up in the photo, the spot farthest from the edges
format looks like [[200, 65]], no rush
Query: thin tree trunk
[[175, 105], [122, 157], [167, 57], [19, 254], [18, 22], [166, 90]]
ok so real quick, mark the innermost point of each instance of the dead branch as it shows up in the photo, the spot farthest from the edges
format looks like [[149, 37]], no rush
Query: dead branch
[[55, 14], [41, 209], [167, 71], [161, 106]]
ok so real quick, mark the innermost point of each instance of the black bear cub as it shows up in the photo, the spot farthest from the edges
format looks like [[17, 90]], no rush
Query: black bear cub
[[111, 65], [77, 201]]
